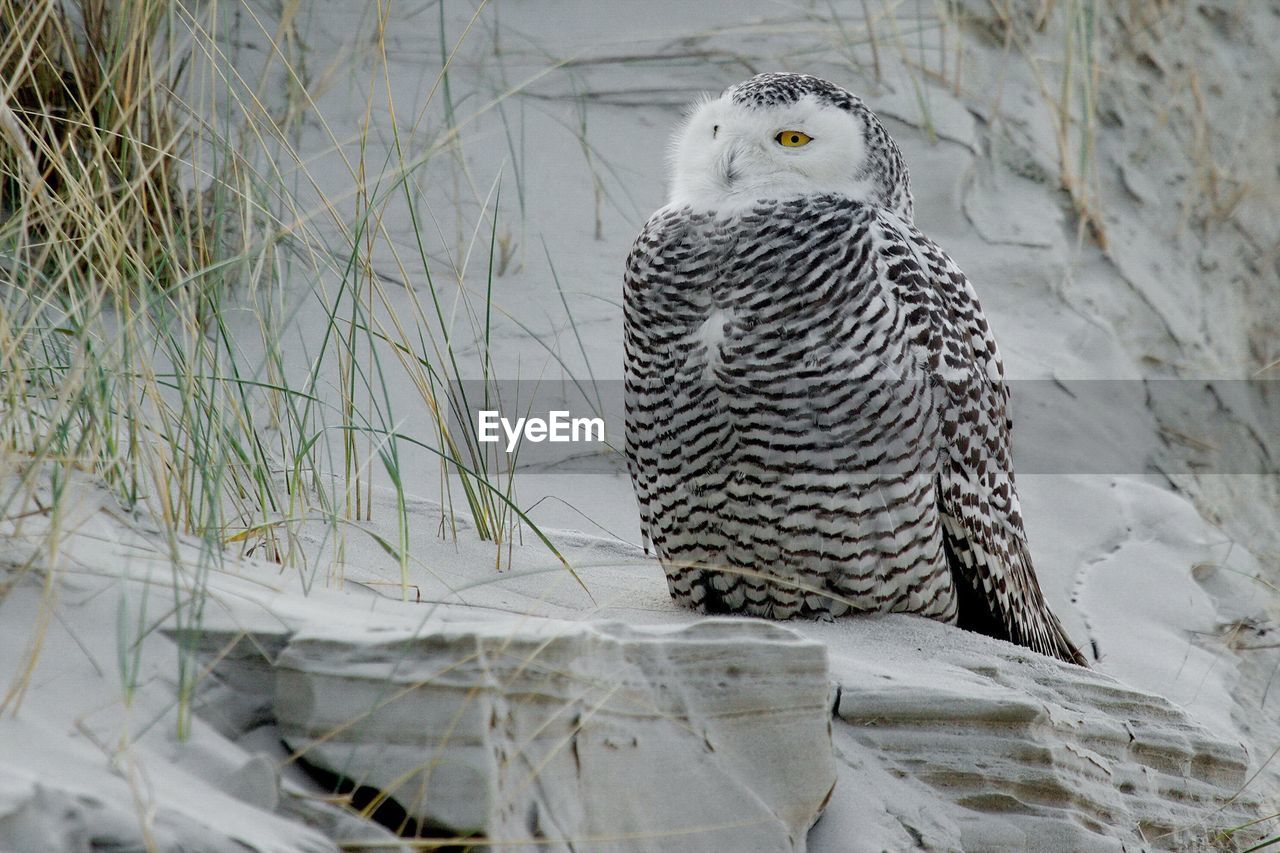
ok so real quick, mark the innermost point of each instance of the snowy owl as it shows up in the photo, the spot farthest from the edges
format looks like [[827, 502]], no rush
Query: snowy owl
[[816, 414]]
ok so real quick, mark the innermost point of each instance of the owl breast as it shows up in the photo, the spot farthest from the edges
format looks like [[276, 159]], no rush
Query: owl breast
[[783, 446]]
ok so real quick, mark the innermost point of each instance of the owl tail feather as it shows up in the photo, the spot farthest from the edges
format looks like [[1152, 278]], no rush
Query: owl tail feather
[[1014, 611]]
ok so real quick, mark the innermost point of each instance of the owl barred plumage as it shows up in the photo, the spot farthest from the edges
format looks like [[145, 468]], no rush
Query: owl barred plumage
[[816, 410]]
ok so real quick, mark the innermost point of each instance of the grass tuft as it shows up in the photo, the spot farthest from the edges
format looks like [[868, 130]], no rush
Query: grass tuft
[[159, 228]]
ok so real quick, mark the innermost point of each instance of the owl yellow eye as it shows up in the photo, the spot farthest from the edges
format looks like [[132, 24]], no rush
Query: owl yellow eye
[[793, 138]]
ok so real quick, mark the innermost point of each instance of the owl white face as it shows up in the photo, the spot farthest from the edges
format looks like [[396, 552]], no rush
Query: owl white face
[[729, 155]]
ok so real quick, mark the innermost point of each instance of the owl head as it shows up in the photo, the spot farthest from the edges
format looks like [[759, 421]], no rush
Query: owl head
[[785, 135]]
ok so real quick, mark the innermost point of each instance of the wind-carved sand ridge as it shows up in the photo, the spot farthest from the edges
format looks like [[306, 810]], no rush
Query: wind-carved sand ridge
[[1011, 746], [639, 734], [577, 731]]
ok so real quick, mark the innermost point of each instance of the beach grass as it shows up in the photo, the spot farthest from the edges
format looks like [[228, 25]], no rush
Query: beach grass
[[156, 213]]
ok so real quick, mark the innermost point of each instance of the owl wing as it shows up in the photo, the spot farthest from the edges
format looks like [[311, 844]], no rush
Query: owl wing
[[647, 388], [983, 532], [643, 394], [678, 430]]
